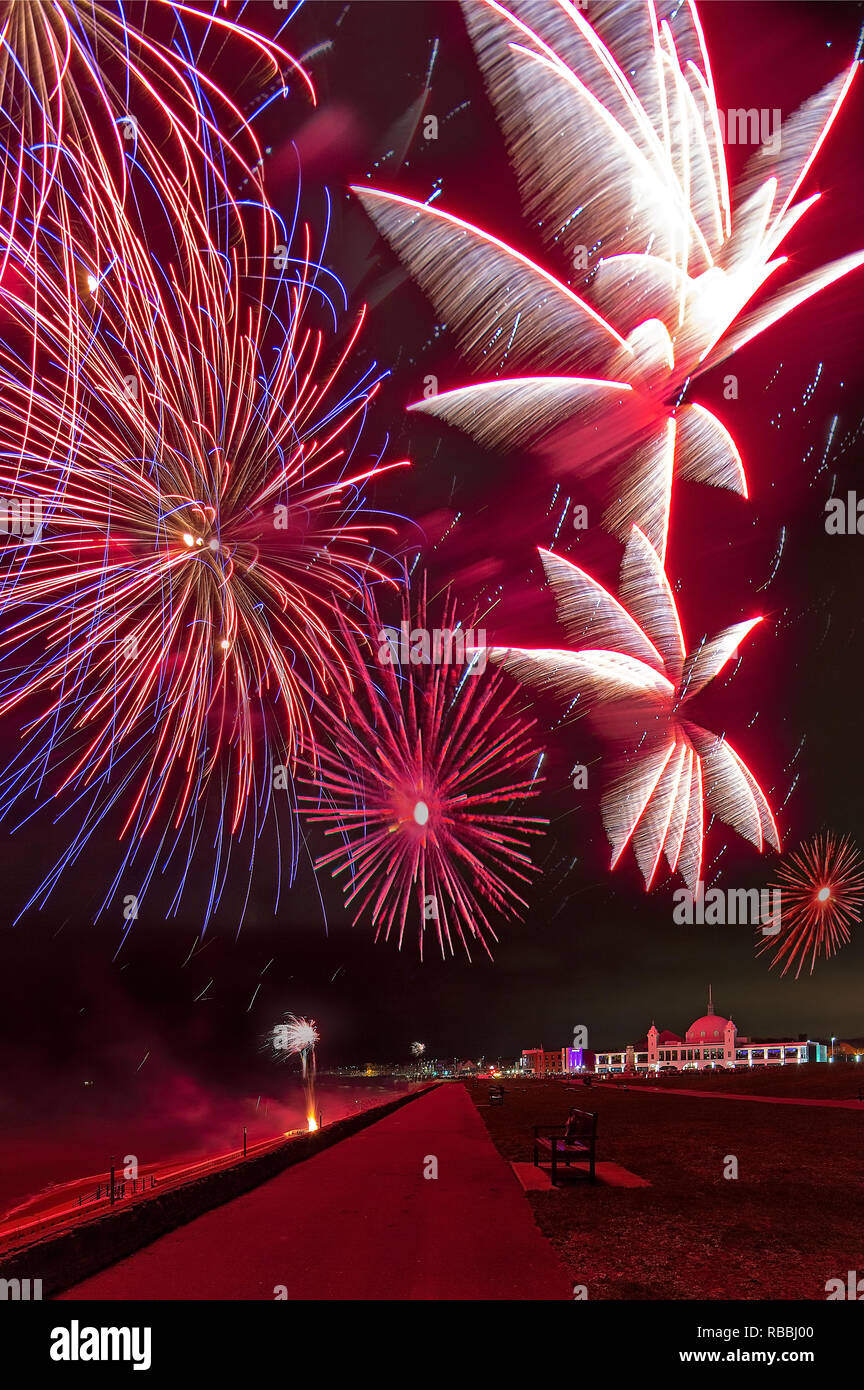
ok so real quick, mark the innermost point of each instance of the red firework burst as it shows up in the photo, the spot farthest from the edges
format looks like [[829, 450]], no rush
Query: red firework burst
[[418, 779], [821, 891]]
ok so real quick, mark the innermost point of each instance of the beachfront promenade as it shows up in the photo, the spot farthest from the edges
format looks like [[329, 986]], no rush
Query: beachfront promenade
[[361, 1221]]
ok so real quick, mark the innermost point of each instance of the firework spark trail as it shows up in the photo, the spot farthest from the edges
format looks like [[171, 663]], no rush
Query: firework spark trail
[[778, 556], [163, 640], [416, 780], [821, 890], [631, 668], [98, 114], [593, 108], [84, 77]]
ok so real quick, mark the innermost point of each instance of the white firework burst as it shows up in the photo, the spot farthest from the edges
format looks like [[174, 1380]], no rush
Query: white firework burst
[[613, 128], [631, 667]]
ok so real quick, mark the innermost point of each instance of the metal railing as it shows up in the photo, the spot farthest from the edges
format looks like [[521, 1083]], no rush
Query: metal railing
[[115, 1192]]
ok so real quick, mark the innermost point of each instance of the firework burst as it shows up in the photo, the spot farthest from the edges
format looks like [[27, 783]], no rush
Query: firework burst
[[297, 1037], [821, 890], [417, 1049], [613, 128], [419, 780], [201, 521], [635, 676]]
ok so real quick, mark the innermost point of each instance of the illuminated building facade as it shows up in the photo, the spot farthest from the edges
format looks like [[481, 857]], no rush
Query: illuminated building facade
[[710, 1042], [563, 1061]]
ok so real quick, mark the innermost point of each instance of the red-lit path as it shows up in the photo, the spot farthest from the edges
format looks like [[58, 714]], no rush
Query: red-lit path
[[360, 1221], [744, 1095]]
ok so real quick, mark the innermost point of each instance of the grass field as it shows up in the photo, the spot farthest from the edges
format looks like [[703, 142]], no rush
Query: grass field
[[792, 1219], [840, 1081]]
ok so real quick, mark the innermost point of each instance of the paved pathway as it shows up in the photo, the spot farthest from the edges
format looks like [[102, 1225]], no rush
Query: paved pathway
[[360, 1221]]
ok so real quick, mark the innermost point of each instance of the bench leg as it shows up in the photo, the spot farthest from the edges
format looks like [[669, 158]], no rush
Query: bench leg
[[593, 1179], [554, 1163]]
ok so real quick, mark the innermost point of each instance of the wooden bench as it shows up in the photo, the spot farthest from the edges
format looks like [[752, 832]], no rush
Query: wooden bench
[[571, 1142], [496, 1095]]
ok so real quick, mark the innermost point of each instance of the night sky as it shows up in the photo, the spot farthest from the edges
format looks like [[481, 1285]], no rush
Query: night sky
[[595, 949]]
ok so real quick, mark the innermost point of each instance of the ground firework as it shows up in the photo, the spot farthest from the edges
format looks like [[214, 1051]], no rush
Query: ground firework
[[201, 519], [613, 128], [633, 673], [298, 1037], [421, 781], [821, 890]]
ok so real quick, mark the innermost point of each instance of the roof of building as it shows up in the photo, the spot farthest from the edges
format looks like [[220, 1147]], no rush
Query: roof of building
[[664, 1036], [709, 1026]]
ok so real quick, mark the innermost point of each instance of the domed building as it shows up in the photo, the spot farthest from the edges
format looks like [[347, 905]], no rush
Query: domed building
[[710, 1042], [711, 1028]]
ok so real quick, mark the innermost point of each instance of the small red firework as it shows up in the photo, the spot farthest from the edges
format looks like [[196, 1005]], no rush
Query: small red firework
[[821, 891], [421, 780]]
